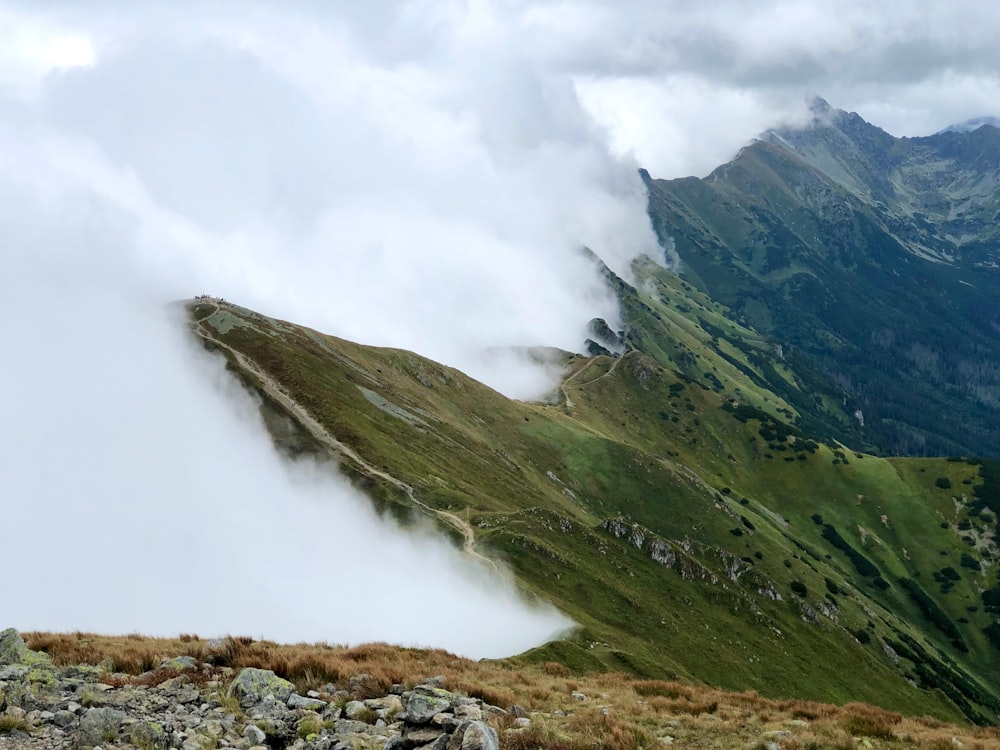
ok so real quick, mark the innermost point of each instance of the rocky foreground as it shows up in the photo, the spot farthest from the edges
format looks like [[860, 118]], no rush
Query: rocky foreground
[[45, 706], [84, 690]]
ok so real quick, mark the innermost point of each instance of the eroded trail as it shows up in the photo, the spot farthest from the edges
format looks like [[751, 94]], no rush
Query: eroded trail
[[274, 390]]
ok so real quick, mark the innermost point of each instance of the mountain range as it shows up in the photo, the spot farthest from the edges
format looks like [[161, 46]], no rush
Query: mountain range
[[736, 488], [871, 260]]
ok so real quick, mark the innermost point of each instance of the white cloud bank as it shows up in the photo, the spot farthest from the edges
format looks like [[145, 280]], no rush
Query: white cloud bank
[[141, 492], [264, 158], [417, 184]]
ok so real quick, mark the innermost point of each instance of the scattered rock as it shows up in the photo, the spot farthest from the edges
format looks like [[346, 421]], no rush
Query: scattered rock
[[180, 713]]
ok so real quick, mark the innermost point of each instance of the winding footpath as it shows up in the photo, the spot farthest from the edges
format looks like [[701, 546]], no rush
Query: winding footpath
[[568, 402], [274, 390]]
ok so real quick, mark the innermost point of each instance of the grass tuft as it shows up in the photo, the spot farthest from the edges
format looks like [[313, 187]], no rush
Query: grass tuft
[[9, 724]]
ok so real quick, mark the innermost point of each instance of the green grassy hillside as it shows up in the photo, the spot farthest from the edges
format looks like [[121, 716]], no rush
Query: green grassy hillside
[[669, 501]]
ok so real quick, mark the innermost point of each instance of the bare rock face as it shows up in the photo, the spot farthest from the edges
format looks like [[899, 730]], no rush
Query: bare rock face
[[610, 343]]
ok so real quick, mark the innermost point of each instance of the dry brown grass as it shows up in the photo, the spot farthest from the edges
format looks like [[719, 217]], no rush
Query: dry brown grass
[[664, 689], [863, 720], [620, 712]]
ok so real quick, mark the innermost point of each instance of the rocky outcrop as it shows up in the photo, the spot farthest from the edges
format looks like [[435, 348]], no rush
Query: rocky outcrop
[[603, 340], [664, 552], [680, 556], [194, 707]]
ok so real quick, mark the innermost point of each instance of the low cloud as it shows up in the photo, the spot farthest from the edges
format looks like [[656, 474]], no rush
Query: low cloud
[[142, 493], [425, 187], [268, 159]]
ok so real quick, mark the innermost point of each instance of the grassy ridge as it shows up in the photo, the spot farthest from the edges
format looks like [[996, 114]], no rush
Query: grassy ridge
[[667, 504]]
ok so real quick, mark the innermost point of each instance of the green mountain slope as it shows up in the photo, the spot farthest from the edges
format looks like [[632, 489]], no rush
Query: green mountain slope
[[872, 261], [666, 502]]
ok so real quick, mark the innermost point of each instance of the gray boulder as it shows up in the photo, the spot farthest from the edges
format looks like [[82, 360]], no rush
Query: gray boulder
[[356, 710], [296, 701], [12, 648], [180, 663], [469, 711], [149, 734], [100, 725], [251, 686], [423, 702], [254, 735], [474, 735]]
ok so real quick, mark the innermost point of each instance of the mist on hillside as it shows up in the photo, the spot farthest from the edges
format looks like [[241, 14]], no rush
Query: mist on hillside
[[285, 162], [416, 184], [141, 493]]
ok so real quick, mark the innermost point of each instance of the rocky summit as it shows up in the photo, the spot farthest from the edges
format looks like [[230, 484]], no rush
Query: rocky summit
[[192, 706]]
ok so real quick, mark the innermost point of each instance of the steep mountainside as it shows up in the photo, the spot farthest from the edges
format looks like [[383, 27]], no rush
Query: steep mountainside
[[872, 260], [668, 501]]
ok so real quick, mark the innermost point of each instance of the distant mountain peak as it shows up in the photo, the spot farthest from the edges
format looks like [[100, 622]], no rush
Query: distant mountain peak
[[823, 116], [818, 105], [973, 124]]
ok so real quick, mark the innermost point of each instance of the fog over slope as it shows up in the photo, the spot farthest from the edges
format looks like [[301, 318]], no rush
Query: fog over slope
[[435, 202], [142, 494], [262, 158]]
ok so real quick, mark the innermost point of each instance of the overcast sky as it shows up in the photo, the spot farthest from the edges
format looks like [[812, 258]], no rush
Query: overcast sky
[[413, 174]]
